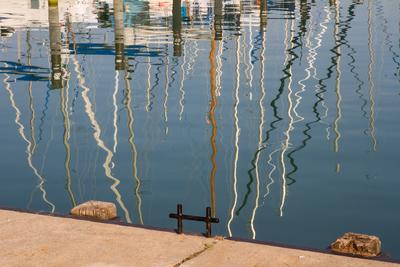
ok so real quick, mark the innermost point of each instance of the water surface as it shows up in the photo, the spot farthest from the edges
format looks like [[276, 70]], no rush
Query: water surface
[[280, 115]]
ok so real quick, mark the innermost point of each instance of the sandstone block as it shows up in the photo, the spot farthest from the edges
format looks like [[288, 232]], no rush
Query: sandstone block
[[357, 244], [96, 209]]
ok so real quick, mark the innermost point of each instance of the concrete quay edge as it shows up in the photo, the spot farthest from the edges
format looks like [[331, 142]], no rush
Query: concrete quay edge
[[34, 239]]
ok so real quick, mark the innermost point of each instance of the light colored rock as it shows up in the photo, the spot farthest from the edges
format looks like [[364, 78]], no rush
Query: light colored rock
[[96, 209], [358, 244]]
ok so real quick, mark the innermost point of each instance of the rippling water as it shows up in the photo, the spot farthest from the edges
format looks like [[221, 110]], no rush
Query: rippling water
[[282, 116]]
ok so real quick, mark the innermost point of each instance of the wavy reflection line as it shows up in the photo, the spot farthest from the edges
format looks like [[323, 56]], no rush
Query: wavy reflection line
[[286, 144], [304, 31], [181, 88], [150, 95], [250, 51], [338, 83], [310, 60], [271, 172], [260, 147], [133, 147], [237, 134], [44, 114], [213, 121], [388, 42], [219, 68], [193, 59], [64, 104], [260, 135], [48, 143], [31, 104], [320, 92], [371, 85], [115, 119], [28, 150], [247, 60], [97, 136], [165, 104], [351, 54], [322, 86], [156, 82], [290, 58], [311, 72], [44, 158]]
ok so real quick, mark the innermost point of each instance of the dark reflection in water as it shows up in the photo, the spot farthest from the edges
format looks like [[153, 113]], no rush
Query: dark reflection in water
[[279, 115]]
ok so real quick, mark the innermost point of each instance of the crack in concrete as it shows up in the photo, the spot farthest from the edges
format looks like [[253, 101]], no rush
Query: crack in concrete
[[196, 254]]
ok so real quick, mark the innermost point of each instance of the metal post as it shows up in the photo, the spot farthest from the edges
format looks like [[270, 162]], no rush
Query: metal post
[[208, 221], [179, 219]]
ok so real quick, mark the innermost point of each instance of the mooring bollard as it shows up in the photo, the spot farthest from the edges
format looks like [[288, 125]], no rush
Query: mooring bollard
[[358, 244], [180, 217], [96, 209]]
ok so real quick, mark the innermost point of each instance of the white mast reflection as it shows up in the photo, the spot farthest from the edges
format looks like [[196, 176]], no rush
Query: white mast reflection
[[260, 134], [371, 85], [28, 150], [115, 120], [181, 88], [319, 38], [148, 80], [219, 68], [133, 146], [285, 145], [338, 83], [166, 95], [64, 99], [97, 136], [237, 134]]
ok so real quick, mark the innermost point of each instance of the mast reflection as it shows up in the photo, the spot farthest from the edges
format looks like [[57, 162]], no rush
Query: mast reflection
[[338, 81], [213, 121], [285, 144], [97, 134], [263, 27], [237, 134], [55, 45], [177, 27], [371, 85], [131, 140], [119, 34], [21, 131]]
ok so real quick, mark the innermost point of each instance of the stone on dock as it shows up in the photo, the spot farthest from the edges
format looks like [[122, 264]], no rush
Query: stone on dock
[[357, 244], [96, 209]]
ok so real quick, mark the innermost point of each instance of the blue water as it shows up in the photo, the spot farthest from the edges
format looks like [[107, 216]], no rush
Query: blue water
[[282, 117]]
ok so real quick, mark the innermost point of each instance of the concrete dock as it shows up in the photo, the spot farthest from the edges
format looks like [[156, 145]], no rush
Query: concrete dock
[[39, 240]]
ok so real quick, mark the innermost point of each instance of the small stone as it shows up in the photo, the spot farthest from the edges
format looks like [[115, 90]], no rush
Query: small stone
[[96, 209], [357, 244]]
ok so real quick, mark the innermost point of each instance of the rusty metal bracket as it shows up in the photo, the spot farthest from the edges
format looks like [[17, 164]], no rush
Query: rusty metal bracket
[[179, 216]]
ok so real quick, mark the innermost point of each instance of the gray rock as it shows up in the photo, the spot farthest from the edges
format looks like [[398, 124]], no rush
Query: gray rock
[[96, 209], [357, 244]]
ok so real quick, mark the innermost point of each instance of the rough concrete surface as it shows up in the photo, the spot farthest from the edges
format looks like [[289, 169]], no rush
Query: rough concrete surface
[[38, 240]]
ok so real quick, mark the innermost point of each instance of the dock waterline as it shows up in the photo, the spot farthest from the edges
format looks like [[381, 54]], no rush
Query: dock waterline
[[37, 240], [278, 115]]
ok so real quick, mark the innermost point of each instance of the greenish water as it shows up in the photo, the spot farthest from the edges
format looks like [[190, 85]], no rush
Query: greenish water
[[282, 116]]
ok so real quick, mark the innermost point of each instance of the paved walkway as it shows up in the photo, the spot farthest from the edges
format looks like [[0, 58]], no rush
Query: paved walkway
[[38, 240]]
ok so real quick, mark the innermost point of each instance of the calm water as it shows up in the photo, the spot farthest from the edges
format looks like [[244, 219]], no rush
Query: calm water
[[281, 116]]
